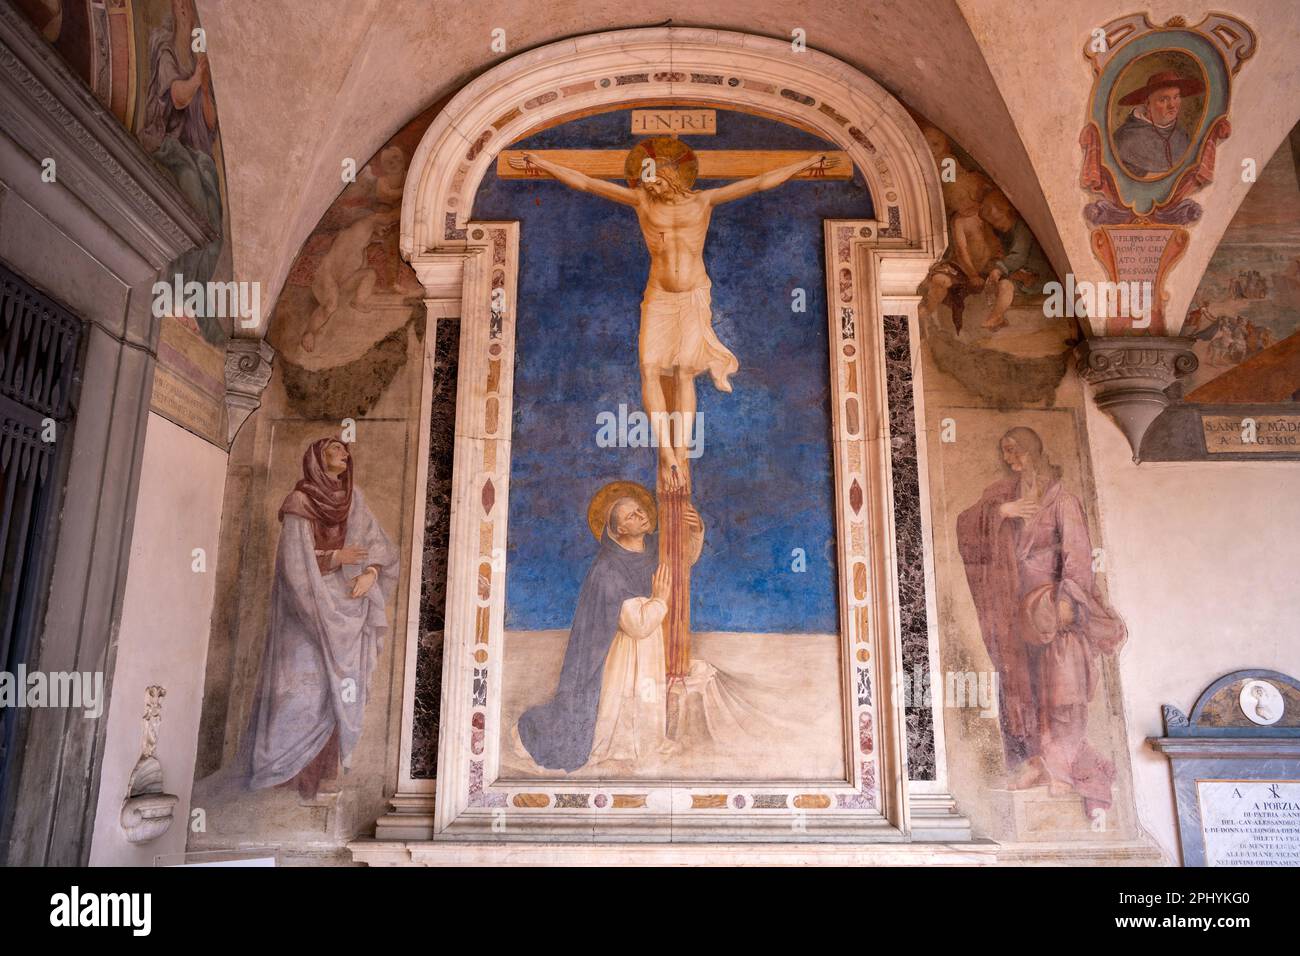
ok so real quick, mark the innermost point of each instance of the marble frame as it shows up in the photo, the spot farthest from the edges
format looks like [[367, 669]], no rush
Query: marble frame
[[461, 265]]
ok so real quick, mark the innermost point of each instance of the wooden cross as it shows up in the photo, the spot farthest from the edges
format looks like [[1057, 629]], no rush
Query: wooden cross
[[714, 163], [580, 169]]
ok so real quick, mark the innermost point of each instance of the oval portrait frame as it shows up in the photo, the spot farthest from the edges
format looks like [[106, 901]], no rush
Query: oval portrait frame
[[1143, 196]]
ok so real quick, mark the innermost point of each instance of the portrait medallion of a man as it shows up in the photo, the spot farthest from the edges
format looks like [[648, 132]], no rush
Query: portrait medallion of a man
[[1151, 141]]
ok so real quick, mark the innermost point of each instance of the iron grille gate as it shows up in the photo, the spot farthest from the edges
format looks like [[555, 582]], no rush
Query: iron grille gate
[[39, 358]]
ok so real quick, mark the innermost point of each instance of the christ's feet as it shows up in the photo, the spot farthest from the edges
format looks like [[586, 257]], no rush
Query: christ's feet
[[672, 476], [676, 480]]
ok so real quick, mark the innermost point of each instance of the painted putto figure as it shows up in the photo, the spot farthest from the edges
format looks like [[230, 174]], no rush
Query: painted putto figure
[[991, 250], [335, 570], [1028, 561]]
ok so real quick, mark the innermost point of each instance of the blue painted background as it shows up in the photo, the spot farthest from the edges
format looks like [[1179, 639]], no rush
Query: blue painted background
[[764, 482]]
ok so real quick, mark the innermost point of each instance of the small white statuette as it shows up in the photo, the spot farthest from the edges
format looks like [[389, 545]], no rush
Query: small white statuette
[[147, 811], [1261, 702]]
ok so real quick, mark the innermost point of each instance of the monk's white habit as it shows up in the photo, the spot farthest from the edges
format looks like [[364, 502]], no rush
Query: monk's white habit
[[631, 718]]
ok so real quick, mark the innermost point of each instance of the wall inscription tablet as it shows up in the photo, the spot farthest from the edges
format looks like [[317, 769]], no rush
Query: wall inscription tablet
[[1250, 822], [1236, 766]]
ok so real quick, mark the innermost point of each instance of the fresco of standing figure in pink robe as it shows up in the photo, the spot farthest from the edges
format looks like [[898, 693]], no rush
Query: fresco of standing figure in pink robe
[[1028, 561]]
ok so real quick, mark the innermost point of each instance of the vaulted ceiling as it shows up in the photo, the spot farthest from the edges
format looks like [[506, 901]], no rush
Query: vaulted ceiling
[[302, 86]]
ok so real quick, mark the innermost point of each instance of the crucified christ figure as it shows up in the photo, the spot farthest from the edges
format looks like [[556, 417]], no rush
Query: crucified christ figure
[[677, 341]]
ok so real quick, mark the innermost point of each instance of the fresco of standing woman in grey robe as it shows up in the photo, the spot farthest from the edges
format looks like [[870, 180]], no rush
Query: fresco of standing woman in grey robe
[[335, 572], [1028, 561], [180, 130]]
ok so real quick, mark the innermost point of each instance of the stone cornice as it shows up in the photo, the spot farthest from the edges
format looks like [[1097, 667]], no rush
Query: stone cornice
[[47, 111], [1231, 748]]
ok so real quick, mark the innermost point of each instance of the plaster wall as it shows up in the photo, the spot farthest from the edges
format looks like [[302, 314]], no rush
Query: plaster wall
[[164, 632], [1201, 559]]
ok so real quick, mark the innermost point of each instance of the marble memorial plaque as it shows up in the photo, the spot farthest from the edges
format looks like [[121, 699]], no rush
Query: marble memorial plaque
[[1250, 822]]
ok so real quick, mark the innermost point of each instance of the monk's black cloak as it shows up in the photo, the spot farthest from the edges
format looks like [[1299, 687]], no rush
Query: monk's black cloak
[[559, 733]]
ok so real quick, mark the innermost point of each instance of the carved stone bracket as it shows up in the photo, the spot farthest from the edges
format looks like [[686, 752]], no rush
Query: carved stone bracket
[[248, 369], [1129, 376]]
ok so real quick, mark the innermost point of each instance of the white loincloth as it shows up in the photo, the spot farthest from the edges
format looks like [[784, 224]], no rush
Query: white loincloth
[[677, 335]]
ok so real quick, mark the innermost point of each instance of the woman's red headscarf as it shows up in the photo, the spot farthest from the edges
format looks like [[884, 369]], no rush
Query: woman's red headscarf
[[321, 498]]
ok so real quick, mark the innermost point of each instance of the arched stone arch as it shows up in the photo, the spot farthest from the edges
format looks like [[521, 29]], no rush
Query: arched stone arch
[[715, 67]]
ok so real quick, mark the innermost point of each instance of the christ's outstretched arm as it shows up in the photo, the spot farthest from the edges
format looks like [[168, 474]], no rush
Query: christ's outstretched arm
[[579, 181], [768, 180]]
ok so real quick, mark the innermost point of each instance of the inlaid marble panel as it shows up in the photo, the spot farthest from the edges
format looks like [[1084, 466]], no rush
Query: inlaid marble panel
[[909, 543], [437, 519]]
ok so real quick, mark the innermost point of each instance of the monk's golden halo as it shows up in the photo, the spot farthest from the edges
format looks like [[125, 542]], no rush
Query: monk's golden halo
[[603, 500]]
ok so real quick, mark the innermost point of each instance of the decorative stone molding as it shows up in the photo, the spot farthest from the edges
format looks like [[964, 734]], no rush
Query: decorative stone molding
[[1174, 718], [810, 90], [754, 852], [147, 811], [248, 369], [1129, 376], [48, 111]]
